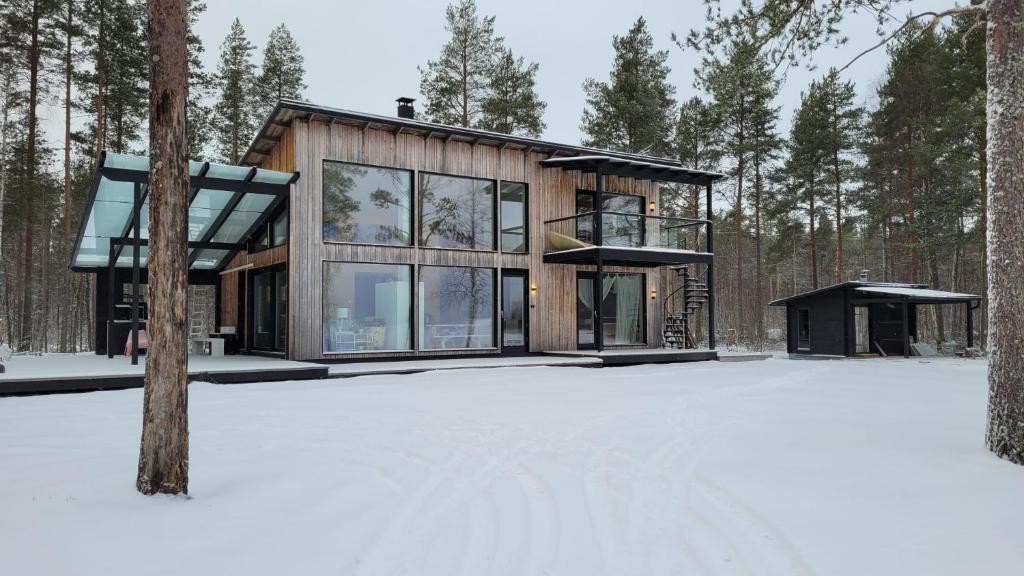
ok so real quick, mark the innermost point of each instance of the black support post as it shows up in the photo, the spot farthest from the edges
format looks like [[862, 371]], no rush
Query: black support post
[[599, 273], [710, 280], [136, 248], [970, 324], [111, 282], [906, 330]]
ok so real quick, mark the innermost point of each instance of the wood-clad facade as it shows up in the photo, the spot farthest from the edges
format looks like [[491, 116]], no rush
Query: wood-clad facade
[[303, 143]]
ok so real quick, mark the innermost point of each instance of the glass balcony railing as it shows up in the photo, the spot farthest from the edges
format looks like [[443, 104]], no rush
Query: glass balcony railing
[[625, 230]]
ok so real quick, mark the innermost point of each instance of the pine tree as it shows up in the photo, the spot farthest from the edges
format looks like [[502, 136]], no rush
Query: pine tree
[[234, 119], [635, 110], [457, 84], [804, 170], [113, 91], [198, 87], [842, 120], [697, 146], [282, 73], [163, 452], [512, 105], [742, 86]]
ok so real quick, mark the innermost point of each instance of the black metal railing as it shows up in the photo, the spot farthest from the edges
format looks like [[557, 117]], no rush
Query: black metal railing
[[629, 230]]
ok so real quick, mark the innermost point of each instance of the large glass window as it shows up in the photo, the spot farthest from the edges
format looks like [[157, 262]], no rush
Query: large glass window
[[622, 309], [367, 307], [618, 229], [456, 212], [367, 205], [456, 307], [513, 217]]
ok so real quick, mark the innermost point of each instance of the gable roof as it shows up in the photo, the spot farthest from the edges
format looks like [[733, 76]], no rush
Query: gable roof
[[288, 110], [918, 292], [840, 286]]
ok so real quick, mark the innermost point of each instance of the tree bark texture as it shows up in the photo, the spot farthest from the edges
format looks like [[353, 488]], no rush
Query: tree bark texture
[[1005, 49], [163, 455]]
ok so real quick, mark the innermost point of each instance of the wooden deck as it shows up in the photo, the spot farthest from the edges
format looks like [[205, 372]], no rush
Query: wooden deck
[[620, 356], [89, 372]]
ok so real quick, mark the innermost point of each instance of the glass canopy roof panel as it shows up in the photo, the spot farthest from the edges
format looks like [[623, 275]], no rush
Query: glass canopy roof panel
[[272, 176], [209, 259], [128, 252], [241, 219], [108, 215], [205, 208]]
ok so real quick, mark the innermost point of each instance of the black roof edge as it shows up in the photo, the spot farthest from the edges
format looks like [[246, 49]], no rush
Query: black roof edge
[[847, 284], [441, 129]]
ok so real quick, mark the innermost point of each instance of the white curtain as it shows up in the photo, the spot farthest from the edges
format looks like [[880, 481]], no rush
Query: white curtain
[[628, 299]]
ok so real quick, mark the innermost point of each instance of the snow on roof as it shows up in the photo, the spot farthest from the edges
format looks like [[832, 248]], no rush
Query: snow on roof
[[916, 293]]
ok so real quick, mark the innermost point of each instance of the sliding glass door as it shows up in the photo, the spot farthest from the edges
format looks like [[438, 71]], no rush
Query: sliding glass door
[[270, 310], [621, 302]]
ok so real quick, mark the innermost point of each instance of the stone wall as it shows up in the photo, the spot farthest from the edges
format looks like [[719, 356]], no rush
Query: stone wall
[[202, 302]]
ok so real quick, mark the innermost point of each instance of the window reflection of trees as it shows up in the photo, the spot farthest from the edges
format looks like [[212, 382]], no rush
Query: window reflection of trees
[[456, 212], [468, 293], [344, 217]]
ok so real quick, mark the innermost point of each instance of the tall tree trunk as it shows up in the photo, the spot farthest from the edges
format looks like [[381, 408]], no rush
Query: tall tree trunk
[[101, 83], [983, 179], [44, 281], [911, 209], [1005, 41], [25, 337], [759, 303], [738, 217], [63, 319], [814, 244], [163, 455], [839, 213]]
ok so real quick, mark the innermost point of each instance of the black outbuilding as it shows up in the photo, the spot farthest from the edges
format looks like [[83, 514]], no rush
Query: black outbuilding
[[863, 317]]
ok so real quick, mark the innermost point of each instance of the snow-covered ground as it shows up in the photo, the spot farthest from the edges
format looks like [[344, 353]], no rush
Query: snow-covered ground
[[776, 467]]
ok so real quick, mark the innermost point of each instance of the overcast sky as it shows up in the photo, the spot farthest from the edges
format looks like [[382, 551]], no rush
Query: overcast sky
[[362, 55]]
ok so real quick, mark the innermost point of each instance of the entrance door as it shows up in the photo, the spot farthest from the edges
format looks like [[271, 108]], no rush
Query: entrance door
[[269, 310], [514, 311]]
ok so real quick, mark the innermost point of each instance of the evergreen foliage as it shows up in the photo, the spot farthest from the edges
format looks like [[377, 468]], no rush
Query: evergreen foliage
[[634, 110], [477, 82], [282, 73], [234, 114]]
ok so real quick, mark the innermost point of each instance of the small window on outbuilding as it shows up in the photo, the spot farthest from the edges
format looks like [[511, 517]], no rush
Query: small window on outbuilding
[[803, 329]]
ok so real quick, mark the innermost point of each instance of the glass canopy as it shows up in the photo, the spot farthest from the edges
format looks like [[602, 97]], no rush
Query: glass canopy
[[227, 204]]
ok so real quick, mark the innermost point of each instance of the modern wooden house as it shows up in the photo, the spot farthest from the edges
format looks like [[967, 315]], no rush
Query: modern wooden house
[[356, 236], [861, 317]]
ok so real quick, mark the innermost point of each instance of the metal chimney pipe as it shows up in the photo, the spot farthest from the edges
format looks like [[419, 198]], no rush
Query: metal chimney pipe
[[405, 108], [863, 275]]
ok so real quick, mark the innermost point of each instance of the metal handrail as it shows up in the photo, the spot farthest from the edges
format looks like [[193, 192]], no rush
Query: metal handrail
[[686, 221]]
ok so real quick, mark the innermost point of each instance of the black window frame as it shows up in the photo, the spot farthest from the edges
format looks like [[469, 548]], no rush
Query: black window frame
[[413, 280], [267, 229], [592, 276], [526, 217], [593, 195], [495, 308], [413, 202], [802, 314], [495, 208]]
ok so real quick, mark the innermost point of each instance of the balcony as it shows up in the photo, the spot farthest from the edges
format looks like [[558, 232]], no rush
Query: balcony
[[627, 239]]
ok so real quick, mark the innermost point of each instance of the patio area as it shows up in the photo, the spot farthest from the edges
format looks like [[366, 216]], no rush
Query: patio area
[[88, 371]]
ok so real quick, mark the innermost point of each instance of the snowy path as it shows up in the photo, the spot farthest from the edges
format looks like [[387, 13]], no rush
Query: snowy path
[[765, 468]]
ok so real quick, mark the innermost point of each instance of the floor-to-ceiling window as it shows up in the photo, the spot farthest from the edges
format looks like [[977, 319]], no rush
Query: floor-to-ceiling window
[[621, 301], [621, 228], [456, 307], [270, 309], [513, 217], [456, 212], [367, 307], [367, 204]]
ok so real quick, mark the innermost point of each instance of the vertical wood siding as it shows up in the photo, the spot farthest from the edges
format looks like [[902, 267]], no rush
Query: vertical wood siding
[[552, 194]]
